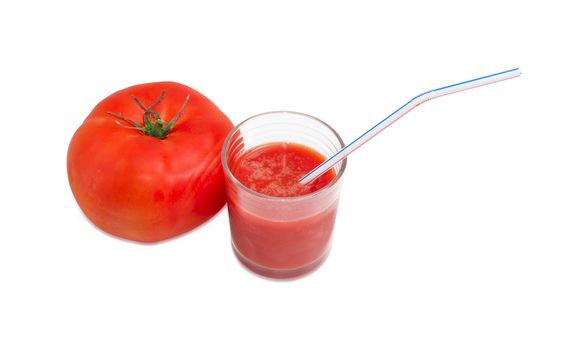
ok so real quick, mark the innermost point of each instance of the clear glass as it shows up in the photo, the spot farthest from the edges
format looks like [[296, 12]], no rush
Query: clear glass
[[281, 237]]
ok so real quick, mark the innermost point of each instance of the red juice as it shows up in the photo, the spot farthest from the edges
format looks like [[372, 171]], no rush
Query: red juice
[[274, 169], [287, 235]]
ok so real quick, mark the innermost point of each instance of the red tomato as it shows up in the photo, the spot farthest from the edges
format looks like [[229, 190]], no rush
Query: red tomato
[[145, 164]]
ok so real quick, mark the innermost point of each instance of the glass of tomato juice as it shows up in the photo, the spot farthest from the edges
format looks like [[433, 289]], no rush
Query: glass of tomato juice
[[279, 227]]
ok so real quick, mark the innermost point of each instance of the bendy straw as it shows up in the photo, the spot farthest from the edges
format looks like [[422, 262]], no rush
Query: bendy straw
[[401, 111]]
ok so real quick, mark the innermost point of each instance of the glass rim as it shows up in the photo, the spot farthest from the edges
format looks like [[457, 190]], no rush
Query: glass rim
[[231, 176]]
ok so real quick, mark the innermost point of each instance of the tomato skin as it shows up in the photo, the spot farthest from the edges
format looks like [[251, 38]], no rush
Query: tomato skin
[[142, 188]]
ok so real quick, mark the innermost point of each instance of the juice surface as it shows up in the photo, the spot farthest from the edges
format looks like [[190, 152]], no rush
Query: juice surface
[[274, 169]]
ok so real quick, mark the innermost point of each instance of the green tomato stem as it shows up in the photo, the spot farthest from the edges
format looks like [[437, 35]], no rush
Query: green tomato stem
[[156, 128]]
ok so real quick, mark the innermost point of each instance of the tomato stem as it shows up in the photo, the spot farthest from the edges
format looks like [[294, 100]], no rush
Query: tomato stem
[[156, 128]]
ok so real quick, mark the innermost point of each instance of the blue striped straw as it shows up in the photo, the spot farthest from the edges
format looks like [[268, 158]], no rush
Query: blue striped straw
[[400, 112]]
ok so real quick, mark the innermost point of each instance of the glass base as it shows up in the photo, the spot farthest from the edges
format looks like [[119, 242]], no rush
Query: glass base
[[280, 273]]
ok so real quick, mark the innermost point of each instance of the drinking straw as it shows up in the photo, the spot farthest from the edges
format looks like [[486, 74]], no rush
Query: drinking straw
[[401, 111]]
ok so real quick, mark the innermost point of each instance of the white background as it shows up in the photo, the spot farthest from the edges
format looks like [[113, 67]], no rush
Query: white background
[[449, 232]]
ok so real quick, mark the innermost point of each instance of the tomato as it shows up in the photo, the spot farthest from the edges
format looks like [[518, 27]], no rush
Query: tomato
[[145, 164]]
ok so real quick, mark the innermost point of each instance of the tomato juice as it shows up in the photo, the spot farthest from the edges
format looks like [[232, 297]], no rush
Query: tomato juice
[[282, 247], [274, 169], [279, 227]]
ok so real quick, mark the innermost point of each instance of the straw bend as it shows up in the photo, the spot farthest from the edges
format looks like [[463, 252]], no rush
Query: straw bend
[[401, 111]]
